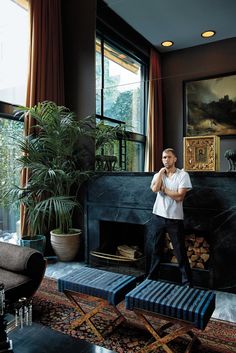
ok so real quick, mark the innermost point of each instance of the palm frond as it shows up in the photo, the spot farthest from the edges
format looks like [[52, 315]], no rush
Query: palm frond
[[51, 158]]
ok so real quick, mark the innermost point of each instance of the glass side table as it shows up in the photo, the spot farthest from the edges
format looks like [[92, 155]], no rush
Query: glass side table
[[5, 343], [9, 322]]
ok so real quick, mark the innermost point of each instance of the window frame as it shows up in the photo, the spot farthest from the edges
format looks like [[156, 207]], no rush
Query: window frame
[[130, 136]]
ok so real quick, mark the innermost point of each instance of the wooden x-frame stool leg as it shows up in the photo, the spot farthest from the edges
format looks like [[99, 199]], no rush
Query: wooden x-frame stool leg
[[85, 317], [162, 341]]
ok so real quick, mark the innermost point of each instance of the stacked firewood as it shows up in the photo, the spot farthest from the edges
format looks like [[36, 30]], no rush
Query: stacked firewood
[[197, 250]]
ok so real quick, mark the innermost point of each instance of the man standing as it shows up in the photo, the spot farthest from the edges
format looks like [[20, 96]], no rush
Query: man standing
[[171, 185]]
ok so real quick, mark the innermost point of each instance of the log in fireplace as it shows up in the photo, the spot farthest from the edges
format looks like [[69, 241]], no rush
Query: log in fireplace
[[121, 248], [118, 210]]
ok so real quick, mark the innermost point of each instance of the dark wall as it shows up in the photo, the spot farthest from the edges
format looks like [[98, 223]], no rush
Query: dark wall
[[79, 37], [79, 33], [193, 63], [113, 26]]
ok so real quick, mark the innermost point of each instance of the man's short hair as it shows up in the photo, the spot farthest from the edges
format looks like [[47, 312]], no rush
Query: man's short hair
[[166, 150]]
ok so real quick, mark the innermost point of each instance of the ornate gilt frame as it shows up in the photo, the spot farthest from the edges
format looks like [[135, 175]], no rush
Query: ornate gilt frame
[[202, 153]]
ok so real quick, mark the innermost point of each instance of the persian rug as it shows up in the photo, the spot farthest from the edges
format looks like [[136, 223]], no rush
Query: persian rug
[[53, 309]]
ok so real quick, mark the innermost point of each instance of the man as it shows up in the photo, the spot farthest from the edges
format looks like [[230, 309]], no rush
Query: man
[[171, 185]]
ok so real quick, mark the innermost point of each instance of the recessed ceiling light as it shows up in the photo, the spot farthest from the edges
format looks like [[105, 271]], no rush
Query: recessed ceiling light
[[167, 43], [208, 34]]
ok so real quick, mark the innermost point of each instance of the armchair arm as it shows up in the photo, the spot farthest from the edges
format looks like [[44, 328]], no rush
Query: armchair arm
[[22, 260]]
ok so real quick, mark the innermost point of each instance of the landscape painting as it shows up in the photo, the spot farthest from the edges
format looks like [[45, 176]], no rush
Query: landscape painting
[[210, 106]]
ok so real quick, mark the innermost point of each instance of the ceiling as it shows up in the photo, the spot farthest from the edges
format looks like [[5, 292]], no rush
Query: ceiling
[[181, 21]]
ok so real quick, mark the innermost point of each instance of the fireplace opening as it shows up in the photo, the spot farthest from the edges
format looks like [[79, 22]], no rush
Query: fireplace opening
[[121, 247], [113, 234]]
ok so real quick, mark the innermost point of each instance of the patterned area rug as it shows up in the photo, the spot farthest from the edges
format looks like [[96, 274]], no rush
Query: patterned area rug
[[53, 309]]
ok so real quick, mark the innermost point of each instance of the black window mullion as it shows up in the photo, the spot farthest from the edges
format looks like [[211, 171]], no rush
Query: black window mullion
[[103, 80]]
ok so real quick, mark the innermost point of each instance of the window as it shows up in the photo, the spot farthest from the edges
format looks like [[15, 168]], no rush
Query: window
[[13, 52], [13, 81], [9, 128], [120, 99]]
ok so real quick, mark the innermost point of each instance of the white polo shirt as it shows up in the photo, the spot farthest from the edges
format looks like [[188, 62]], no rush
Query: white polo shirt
[[164, 205]]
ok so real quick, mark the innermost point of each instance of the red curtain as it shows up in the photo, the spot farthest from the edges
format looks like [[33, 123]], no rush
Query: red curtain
[[45, 79], [154, 145], [46, 73]]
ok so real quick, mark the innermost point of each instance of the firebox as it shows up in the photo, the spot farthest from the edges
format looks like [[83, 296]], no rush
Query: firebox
[[121, 248], [113, 234]]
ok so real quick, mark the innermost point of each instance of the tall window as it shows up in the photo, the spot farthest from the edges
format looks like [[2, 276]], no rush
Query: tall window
[[13, 81], [120, 99], [9, 130], [13, 51]]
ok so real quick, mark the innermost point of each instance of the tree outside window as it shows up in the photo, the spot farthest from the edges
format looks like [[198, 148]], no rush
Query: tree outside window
[[120, 94]]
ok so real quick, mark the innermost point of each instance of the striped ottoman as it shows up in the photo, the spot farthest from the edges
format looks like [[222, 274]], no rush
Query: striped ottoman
[[110, 287], [189, 307]]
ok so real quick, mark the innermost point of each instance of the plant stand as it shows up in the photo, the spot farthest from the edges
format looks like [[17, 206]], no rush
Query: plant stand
[[106, 163]]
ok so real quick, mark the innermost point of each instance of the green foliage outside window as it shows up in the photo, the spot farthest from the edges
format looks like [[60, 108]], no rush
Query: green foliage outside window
[[9, 129], [120, 96]]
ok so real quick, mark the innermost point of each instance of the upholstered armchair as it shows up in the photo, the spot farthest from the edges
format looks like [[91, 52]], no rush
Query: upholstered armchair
[[21, 271]]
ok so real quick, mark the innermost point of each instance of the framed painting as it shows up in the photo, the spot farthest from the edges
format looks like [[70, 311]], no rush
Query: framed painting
[[210, 106], [202, 153]]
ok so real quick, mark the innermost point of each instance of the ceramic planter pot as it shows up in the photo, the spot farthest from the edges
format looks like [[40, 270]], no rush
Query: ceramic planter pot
[[66, 246], [38, 242]]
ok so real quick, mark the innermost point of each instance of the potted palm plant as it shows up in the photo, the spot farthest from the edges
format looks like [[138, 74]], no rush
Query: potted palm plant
[[51, 156]]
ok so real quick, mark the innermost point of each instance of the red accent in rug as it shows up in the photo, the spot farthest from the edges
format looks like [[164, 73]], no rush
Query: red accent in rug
[[53, 309]]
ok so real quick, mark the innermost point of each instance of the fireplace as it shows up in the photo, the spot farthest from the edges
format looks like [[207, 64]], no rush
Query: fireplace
[[113, 234], [121, 248], [119, 208]]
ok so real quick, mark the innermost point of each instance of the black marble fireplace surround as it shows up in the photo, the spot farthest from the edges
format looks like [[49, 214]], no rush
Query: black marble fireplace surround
[[210, 210]]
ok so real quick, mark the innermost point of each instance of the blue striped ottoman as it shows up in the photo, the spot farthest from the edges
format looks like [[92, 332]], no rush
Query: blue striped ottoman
[[110, 287], [189, 307]]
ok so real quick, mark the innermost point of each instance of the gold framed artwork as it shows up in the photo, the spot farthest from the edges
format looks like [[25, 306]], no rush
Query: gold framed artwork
[[202, 153]]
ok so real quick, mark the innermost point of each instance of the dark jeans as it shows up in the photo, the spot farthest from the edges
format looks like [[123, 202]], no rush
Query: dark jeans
[[158, 227]]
